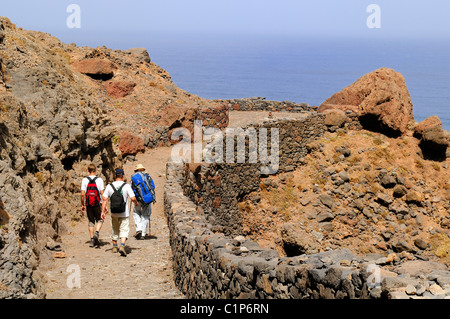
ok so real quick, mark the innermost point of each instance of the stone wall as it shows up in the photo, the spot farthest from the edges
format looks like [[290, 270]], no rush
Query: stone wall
[[218, 187], [207, 264], [212, 260], [261, 104]]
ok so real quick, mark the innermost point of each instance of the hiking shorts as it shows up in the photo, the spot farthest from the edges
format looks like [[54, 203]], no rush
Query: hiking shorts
[[94, 215], [120, 227]]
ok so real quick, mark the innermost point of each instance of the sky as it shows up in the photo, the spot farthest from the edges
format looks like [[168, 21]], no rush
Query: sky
[[319, 18]]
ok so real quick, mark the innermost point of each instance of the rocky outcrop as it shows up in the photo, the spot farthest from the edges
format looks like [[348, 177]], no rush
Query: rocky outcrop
[[96, 68], [380, 99], [119, 89], [52, 125], [130, 144], [141, 53], [433, 140]]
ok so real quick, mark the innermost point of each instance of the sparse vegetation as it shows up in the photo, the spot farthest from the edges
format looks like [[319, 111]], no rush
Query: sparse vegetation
[[355, 228], [419, 163], [40, 177], [115, 139], [440, 245]]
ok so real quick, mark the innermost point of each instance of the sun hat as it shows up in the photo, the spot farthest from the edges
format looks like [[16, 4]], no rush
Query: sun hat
[[139, 166]]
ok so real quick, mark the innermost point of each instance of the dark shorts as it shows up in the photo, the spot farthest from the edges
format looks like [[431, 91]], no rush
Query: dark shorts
[[94, 215]]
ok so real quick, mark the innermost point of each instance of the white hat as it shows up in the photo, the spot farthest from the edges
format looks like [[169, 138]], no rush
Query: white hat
[[140, 166]]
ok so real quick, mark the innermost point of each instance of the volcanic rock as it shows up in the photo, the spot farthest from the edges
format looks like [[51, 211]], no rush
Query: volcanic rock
[[119, 89], [380, 99], [334, 117], [142, 53], [297, 241], [433, 140], [96, 68], [130, 144]]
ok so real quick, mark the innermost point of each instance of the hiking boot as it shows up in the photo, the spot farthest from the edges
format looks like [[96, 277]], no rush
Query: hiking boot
[[122, 251], [92, 244], [96, 241], [138, 235], [115, 249]]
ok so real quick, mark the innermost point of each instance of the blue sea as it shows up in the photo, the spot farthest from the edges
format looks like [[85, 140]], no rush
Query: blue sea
[[303, 69], [297, 69]]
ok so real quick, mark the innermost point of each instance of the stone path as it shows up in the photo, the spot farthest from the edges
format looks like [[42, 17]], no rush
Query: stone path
[[145, 273]]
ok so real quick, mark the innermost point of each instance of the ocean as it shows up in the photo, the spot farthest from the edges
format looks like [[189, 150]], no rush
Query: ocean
[[302, 69]]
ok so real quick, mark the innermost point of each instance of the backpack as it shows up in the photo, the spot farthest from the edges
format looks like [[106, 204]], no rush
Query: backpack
[[92, 193], [144, 188], [118, 204]]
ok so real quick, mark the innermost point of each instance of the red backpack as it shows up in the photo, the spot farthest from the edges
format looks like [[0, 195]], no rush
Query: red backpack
[[92, 193]]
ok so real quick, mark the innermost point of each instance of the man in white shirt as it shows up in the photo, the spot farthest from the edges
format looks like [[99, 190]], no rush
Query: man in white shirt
[[91, 203], [120, 222]]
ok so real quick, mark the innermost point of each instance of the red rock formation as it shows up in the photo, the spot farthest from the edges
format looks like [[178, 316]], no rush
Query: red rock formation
[[130, 144], [95, 67], [119, 89], [381, 100]]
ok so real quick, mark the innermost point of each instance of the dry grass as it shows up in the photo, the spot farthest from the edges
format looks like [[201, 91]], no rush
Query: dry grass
[[440, 245]]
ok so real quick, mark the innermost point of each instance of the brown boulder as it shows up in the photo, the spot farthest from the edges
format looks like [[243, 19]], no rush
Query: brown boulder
[[141, 53], [380, 99], [96, 68], [414, 197], [297, 241], [335, 117], [130, 144], [433, 139], [119, 89], [430, 123]]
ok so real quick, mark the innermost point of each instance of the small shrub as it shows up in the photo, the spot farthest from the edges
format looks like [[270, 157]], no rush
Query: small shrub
[[419, 164], [440, 245], [40, 177], [377, 141], [115, 139]]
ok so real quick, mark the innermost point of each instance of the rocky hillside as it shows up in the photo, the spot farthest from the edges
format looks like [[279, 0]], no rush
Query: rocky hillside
[[62, 107], [376, 183]]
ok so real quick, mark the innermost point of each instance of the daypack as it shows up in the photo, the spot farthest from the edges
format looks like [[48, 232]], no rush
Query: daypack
[[118, 204], [92, 193], [143, 187]]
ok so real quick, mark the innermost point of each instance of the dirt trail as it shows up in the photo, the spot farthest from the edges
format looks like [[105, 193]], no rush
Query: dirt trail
[[145, 273]]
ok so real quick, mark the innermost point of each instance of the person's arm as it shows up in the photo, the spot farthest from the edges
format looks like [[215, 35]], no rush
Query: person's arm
[[105, 197], [134, 200], [82, 197], [104, 207], [132, 195]]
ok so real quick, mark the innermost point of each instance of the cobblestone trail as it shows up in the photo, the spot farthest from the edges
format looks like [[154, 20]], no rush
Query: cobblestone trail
[[146, 272]]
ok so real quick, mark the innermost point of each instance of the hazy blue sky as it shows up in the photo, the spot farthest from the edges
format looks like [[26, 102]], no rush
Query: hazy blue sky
[[337, 18]]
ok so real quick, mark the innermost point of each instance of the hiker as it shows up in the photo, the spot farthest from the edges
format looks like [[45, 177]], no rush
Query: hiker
[[144, 188], [118, 193], [92, 188]]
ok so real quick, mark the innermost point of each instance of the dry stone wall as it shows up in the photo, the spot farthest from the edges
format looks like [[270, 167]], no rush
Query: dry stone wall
[[218, 187], [261, 104], [211, 259]]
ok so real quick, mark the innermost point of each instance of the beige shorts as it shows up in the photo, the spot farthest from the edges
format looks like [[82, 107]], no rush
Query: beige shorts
[[120, 227]]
